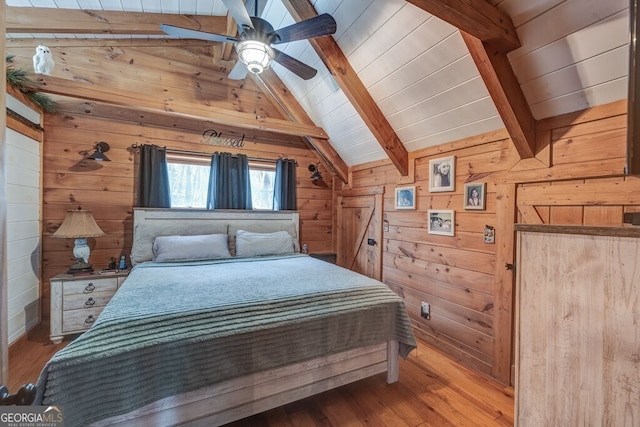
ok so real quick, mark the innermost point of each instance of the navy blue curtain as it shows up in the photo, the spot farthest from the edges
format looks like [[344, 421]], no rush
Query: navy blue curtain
[[153, 178], [229, 185], [284, 187]]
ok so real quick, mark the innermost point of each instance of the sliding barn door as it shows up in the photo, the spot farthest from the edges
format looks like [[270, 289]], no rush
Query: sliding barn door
[[578, 337], [359, 232]]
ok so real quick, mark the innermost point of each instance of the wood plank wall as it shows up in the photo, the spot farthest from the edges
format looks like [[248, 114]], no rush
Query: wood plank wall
[[108, 188], [577, 178], [589, 149], [24, 235], [187, 71]]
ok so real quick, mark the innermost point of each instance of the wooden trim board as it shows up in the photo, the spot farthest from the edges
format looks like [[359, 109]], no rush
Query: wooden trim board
[[244, 396]]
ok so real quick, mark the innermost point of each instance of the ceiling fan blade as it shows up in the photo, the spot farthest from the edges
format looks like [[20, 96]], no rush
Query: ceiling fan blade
[[238, 72], [195, 34], [299, 68], [239, 13], [317, 26]]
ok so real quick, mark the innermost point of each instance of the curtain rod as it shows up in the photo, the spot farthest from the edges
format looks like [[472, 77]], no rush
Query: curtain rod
[[199, 153]]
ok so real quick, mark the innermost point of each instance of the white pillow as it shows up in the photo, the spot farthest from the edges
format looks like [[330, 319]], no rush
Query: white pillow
[[249, 244], [190, 248]]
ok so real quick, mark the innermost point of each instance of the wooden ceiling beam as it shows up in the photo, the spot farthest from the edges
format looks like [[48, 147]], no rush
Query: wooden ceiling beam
[[77, 21], [476, 17], [73, 107], [232, 30], [353, 88], [104, 42], [504, 88], [489, 35], [172, 108], [278, 92]]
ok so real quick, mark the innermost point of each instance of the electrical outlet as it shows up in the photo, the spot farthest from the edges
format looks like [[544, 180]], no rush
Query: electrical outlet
[[425, 310]]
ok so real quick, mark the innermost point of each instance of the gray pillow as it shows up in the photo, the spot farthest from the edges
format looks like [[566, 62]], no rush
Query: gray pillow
[[190, 248], [249, 244]]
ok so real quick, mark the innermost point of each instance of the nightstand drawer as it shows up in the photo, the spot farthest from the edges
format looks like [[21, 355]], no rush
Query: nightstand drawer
[[76, 301], [92, 300], [90, 285], [78, 320]]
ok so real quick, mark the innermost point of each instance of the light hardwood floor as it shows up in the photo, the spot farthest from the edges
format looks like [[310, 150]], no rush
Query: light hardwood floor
[[433, 390]]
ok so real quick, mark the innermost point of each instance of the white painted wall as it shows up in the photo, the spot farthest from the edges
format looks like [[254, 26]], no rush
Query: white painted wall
[[23, 166]]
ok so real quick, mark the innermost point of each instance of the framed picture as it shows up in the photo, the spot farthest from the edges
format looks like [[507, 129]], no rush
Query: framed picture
[[442, 174], [441, 222], [474, 195], [406, 197]]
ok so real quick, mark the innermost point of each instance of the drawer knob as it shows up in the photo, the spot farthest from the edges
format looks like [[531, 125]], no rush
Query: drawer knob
[[90, 287], [89, 320], [90, 302]]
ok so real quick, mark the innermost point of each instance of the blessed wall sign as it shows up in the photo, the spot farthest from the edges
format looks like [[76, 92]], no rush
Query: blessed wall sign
[[213, 137]]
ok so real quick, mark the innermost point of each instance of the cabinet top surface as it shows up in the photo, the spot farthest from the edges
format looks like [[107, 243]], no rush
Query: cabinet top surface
[[98, 274]]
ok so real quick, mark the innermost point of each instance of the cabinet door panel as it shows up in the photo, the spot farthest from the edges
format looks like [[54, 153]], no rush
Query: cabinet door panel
[[578, 299]]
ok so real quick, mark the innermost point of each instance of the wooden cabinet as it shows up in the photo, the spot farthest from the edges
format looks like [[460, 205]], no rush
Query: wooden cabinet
[[578, 345], [76, 301]]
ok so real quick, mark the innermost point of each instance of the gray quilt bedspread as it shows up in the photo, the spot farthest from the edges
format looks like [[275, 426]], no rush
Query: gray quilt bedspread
[[173, 328]]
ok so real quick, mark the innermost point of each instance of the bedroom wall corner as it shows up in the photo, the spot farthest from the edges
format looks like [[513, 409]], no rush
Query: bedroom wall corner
[[463, 278]]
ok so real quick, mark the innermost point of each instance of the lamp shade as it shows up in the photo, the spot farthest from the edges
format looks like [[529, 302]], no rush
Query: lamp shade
[[78, 223]]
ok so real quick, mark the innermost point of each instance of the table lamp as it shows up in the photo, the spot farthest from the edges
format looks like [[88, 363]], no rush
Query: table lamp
[[79, 224]]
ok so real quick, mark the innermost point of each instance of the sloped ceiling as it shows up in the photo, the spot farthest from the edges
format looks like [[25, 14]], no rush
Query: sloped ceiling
[[418, 71]]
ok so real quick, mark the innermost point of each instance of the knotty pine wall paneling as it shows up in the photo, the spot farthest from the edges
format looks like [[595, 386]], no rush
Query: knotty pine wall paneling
[[181, 73], [577, 178], [161, 72], [108, 189]]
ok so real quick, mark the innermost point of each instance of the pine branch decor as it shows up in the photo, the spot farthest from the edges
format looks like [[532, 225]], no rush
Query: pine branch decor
[[20, 80]]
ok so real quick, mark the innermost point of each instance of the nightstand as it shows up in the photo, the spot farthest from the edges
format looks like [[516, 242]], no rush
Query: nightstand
[[76, 301]]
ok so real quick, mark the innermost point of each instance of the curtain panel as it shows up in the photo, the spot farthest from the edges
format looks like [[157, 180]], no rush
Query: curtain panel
[[153, 178], [284, 188], [229, 184]]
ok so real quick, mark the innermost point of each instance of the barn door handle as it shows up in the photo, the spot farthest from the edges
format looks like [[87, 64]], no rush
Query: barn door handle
[[371, 242], [509, 266]]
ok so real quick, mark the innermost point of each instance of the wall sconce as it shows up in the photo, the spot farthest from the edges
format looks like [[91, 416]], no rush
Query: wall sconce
[[99, 156], [315, 172]]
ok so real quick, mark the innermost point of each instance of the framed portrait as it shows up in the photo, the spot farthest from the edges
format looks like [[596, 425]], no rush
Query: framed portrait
[[406, 197], [474, 195], [442, 174], [441, 222]]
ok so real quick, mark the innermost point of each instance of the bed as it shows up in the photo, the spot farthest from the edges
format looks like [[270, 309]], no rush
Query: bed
[[208, 339]]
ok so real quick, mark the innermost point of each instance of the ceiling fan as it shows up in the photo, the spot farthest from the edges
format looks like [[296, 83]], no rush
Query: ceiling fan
[[254, 44]]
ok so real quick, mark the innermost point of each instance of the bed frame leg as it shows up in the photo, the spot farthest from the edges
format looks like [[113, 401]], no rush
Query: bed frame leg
[[392, 361]]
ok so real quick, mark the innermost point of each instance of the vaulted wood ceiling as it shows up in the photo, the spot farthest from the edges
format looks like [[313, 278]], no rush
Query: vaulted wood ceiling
[[489, 34]]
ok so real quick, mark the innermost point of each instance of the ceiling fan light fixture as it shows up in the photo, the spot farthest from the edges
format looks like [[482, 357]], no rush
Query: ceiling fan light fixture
[[256, 55]]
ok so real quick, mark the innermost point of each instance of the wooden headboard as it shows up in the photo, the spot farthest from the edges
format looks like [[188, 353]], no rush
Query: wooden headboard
[[151, 222]]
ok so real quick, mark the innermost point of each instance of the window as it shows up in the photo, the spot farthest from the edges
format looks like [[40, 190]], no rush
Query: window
[[262, 176], [189, 178]]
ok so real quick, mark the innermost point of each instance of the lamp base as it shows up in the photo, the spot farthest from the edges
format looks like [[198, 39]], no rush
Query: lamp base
[[80, 267]]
